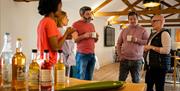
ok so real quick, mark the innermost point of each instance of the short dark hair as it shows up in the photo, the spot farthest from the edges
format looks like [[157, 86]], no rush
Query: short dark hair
[[132, 13], [47, 6], [84, 9]]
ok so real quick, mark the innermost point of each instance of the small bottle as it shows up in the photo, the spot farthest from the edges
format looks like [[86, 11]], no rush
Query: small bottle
[[33, 74], [59, 74], [19, 67], [6, 63], [45, 73]]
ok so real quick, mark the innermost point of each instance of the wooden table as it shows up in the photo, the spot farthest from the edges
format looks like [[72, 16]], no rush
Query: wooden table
[[73, 81]]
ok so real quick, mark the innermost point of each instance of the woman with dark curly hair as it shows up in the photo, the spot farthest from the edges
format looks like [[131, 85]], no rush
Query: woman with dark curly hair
[[48, 36]]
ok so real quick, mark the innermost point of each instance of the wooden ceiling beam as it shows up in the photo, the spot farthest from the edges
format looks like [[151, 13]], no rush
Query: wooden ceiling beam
[[134, 4], [177, 1], [142, 9], [101, 5], [145, 21], [143, 12], [166, 4], [168, 15], [133, 9], [165, 25]]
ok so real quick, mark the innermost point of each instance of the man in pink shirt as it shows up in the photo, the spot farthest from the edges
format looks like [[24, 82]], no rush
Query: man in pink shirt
[[130, 49], [85, 39]]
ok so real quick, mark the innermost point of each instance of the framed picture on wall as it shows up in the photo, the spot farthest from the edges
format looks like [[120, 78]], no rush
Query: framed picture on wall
[[109, 36]]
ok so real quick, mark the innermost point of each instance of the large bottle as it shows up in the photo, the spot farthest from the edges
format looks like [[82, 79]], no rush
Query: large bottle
[[19, 67], [5, 60], [45, 73], [34, 71], [59, 73]]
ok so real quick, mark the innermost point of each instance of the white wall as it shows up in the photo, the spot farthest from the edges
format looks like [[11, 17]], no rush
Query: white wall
[[21, 20]]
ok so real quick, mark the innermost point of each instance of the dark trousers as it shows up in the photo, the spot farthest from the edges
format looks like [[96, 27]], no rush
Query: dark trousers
[[155, 76], [132, 66]]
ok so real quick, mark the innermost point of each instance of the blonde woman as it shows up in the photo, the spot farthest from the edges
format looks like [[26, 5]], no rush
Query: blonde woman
[[68, 46]]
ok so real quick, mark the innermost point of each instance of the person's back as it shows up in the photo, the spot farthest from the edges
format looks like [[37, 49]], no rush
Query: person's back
[[42, 42]]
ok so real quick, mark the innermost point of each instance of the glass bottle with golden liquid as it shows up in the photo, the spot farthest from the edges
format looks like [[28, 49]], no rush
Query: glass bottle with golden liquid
[[45, 73], [59, 72], [19, 67], [33, 73]]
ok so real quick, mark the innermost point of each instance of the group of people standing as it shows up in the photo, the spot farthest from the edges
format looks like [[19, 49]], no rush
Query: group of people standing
[[135, 47], [133, 43], [52, 36]]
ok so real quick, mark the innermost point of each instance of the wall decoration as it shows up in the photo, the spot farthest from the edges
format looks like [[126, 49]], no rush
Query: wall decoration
[[109, 36]]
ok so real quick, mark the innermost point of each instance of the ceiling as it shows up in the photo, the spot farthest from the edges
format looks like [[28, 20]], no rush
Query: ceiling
[[116, 11]]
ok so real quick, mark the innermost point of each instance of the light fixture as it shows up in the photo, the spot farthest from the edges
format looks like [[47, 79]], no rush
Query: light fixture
[[151, 3]]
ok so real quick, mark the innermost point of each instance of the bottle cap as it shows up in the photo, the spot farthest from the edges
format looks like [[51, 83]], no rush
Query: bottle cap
[[46, 51], [34, 50], [60, 51], [19, 39], [7, 33]]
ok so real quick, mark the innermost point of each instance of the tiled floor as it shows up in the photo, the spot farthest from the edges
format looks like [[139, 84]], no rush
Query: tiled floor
[[111, 72]]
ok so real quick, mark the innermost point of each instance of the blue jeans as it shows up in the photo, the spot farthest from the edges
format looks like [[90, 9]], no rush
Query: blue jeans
[[134, 66], [85, 66]]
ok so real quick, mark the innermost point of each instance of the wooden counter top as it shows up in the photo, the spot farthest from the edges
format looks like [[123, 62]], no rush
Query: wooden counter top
[[74, 81]]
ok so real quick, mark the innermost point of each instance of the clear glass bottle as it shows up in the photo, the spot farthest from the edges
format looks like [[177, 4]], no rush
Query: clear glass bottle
[[45, 73], [19, 67], [5, 60], [34, 71], [59, 73]]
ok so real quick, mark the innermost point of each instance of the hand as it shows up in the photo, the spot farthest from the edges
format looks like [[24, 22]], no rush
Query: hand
[[97, 37], [69, 30], [87, 35], [133, 39], [147, 47]]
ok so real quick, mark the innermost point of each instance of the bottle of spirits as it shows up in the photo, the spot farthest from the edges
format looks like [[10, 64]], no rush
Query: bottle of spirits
[[45, 73], [19, 67], [34, 71], [59, 73], [6, 62]]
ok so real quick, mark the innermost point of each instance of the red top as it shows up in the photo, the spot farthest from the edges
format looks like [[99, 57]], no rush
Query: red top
[[47, 28], [85, 46]]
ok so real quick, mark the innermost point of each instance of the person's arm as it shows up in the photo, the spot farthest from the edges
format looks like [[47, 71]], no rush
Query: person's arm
[[166, 44], [97, 37], [78, 38], [144, 39], [119, 43], [56, 43]]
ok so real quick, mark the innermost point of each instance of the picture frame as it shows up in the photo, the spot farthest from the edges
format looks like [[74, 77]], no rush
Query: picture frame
[[109, 36]]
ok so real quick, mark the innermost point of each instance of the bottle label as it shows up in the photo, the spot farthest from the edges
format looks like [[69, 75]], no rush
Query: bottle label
[[21, 71], [7, 72], [46, 75], [60, 76], [33, 76]]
